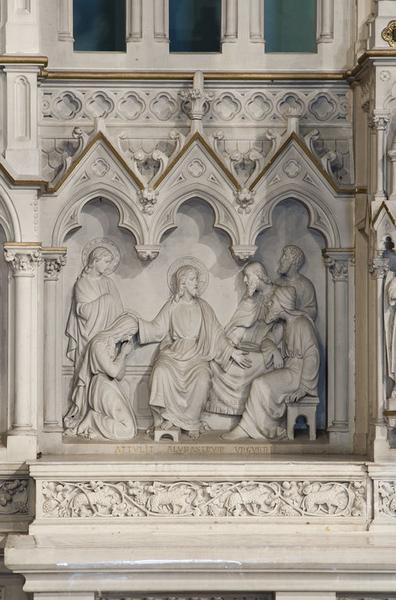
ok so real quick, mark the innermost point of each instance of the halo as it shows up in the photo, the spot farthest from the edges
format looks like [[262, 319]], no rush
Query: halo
[[102, 243], [203, 279]]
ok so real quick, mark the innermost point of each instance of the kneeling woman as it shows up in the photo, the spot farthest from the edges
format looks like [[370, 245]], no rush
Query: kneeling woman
[[100, 402]]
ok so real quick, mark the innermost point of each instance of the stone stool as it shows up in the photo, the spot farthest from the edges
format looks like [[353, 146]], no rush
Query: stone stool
[[173, 433], [306, 407]]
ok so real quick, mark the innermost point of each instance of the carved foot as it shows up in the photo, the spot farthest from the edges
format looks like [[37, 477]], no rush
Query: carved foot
[[166, 425], [193, 434], [236, 434]]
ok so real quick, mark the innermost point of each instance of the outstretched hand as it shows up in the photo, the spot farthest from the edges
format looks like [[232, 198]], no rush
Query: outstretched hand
[[241, 359]]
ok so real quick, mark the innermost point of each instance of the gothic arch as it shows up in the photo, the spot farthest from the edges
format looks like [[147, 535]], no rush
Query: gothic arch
[[69, 217], [320, 216], [165, 218]]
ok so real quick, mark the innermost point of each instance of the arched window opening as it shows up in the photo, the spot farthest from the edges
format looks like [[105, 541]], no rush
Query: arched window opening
[[99, 25], [290, 25], [195, 25]]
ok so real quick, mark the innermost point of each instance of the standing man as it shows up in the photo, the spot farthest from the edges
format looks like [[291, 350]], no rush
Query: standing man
[[290, 263]]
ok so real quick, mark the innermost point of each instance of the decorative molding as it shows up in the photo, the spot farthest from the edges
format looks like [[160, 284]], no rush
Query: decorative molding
[[175, 596], [197, 499], [388, 34], [386, 498]]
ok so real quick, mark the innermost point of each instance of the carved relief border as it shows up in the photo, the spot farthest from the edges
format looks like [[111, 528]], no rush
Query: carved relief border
[[202, 499]]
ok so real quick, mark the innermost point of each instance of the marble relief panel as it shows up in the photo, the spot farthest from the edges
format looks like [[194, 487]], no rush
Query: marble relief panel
[[217, 336]]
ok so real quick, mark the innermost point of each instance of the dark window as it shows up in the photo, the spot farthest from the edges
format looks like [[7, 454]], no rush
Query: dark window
[[290, 25], [194, 25], [99, 25]]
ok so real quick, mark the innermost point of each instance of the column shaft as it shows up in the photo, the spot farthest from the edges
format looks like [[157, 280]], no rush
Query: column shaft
[[326, 21], [134, 20], [161, 20], [230, 20], [256, 21]]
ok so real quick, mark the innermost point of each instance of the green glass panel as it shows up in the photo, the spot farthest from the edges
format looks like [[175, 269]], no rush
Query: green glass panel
[[290, 25], [99, 25], [194, 25]]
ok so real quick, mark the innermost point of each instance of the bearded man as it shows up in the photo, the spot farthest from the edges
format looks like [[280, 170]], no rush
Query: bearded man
[[249, 332]]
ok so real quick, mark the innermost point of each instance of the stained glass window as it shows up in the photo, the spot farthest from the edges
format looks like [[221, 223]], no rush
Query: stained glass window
[[195, 25], [99, 25], [290, 25]]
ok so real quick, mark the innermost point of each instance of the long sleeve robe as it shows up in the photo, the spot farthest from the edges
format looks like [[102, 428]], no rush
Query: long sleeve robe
[[264, 415], [95, 305], [190, 337]]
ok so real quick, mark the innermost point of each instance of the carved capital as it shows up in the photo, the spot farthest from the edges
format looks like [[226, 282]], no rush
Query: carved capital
[[380, 121], [148, 199], [243, 252], [23, 259], [54, 261], [379, 267], [338, 260], [338, 268], [196, 99], [244, 199], [147, 251]]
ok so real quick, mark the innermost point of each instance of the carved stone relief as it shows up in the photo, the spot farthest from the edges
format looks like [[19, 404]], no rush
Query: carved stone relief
[[101, 332], [197, 499], [14, 498]]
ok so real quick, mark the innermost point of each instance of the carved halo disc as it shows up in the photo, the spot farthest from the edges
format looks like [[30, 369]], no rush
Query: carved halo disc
[[194, 262], [102, 243]]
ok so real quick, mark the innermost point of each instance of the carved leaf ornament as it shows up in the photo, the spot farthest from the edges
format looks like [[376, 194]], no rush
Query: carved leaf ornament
[[95, 499]]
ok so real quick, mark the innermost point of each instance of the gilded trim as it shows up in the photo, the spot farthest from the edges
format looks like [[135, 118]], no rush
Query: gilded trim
[[54, 250], [21, 182], [99, 137], [294, 137], [209, 75], [22, 245], [388, 34], [23, 59], [389, 413], [197, 137]]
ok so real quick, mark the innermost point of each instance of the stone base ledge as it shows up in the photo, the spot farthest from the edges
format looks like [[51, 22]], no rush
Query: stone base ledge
[[157, 562]]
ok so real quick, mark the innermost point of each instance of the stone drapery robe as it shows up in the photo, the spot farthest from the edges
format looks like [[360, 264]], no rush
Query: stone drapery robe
[[190, 337], [306, 295], [100, 403], [265, 412], [96, 303], [248, 331]]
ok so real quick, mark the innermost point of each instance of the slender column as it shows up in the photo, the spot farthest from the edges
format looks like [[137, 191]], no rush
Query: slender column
[[230, 20], [337, 261], [380, 122], [326, 21], [65, 20], [54, 260], [134, 20], [379, 268], [256, 19], [23, 260], [161, 18]]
